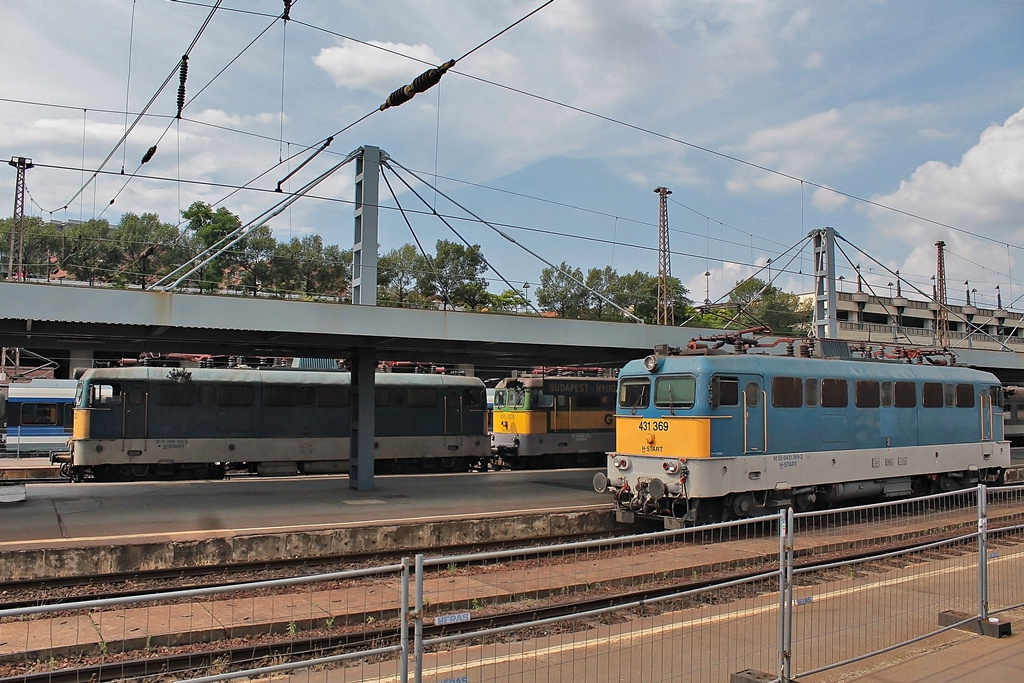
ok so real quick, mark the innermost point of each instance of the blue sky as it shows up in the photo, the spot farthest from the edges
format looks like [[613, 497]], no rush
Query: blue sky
[[561, 127]]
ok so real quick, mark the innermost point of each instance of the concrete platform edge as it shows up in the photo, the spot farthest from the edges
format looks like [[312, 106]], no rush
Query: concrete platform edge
[[115, 556]]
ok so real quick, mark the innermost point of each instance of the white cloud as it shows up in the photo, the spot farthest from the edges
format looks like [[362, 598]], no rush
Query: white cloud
[[358, 66], [983, 195], [815, 60], [827, 200], [799, 149]]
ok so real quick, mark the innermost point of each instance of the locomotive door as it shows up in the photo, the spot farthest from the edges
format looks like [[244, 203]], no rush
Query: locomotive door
[[452, 411], [754, 427], [135, 405]]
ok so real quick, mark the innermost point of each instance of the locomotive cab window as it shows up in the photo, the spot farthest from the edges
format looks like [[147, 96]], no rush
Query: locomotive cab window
[[499, 398], [787, 392], [753, 394], [634, 393], [104, 395], [674, 392], [725, 391]]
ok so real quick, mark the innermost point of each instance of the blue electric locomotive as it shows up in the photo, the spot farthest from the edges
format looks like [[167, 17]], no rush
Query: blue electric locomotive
[[705, 436], [153, 423]]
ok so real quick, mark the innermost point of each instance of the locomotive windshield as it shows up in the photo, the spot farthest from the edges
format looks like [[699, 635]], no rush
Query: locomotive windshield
[[634, 393], [674, 392]]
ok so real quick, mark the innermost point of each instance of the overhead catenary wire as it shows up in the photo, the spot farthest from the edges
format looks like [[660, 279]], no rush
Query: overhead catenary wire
[[608, 301], [457, 234], [235, 236], [149, 104]]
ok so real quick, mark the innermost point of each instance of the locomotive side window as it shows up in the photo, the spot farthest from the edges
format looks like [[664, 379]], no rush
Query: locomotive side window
[[753, 394], [931, 395], [280, 395], [423, 397], [949, 394], [398, 396], [634, 393], [866, 393], [964, 395], [905, 395], [674, 392], [104, 395], [176, 394], [473, 398], [332, 397], [996, 392], [834, 393], [811, 392], [234, 395], [588, 401], [206, 394], [538, 399], [725, 391], [380, 397], [307, 396], [787, 392], [887, 394]]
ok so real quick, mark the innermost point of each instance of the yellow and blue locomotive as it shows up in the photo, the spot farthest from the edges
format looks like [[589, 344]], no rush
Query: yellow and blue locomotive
[[703, 435], [559, 417]]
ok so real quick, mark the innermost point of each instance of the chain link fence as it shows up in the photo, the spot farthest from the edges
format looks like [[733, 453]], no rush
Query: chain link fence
[[774, 598]]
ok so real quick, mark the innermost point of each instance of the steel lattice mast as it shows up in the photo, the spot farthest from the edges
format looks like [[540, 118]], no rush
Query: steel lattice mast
[[942, 314], [666, 312], [18, 220]]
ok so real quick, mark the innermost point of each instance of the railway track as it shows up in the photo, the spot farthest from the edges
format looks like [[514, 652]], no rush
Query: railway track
[[238, 656], [355, 634]]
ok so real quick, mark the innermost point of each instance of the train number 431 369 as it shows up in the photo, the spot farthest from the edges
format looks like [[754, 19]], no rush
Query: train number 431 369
[[653, 426]]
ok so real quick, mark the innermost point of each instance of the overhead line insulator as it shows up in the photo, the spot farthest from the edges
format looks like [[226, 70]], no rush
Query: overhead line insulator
[[149, 154], [182, 77], [287, 9], [421, 83]]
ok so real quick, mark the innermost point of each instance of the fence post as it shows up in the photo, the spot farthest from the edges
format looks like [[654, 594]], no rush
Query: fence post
[[785, 593], [418, 607], [404, 672], [982, 552]]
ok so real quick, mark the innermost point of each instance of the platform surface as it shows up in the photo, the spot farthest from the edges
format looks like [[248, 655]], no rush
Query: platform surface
[[67, 511]]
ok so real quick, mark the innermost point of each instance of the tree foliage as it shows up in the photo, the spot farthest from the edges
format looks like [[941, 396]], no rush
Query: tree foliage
[[763, 304]]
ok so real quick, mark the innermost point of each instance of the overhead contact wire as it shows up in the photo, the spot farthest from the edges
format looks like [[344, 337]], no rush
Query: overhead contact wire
[[145, 109]]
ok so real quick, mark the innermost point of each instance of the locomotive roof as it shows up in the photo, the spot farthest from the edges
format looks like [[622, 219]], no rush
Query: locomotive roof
[[275, 376], [773, 365]]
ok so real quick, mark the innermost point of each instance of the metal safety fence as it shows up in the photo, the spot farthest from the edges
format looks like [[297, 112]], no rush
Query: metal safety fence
[[773, 598]]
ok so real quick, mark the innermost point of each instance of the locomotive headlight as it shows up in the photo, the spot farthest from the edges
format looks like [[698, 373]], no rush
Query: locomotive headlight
[[651, 363], [671, 466], [621, 462]]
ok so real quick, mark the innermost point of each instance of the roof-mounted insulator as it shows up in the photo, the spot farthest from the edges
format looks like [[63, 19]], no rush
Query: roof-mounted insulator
[[182, 77], [423, 82], [149, 154], [287, 9]]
